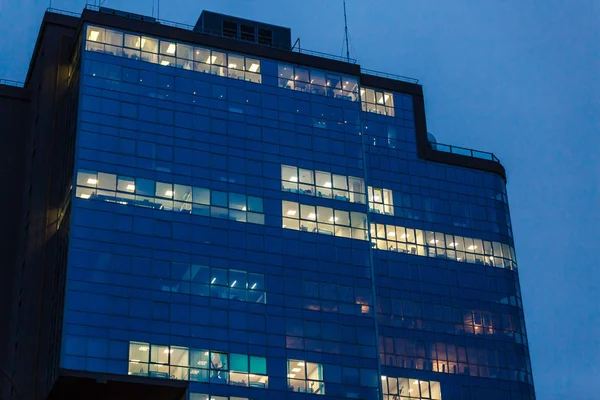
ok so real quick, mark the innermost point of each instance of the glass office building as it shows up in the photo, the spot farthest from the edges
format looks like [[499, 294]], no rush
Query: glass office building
[[248, 221]]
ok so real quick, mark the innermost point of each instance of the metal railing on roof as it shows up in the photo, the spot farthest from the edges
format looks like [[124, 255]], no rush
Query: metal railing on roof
[[446, 148], [9, 82], [64, 12], [389, 76]]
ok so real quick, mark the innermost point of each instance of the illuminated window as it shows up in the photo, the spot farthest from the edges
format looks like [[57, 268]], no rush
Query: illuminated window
[[317, 82], [305, 377], [440, 245], [322, 184], [377, 101], [202, 396], [410, 389], [381, 201], [248, 371], [182, 363], [169, 197], [323, 220], [172, 54]]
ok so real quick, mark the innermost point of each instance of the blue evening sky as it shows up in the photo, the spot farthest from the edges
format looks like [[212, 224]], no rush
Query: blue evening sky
[[518, 78]]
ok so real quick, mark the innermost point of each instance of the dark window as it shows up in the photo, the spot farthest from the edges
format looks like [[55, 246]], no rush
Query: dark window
[[248, 33], [230, 29], [265, 36]]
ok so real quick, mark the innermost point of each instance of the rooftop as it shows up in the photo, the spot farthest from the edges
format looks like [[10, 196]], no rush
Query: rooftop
[[209, 29]]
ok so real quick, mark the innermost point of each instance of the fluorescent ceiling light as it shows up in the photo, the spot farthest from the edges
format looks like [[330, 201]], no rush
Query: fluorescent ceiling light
[[167, 351], [94, 35], [296, 369], [253, 286], [243, 208], [291, 212], [452, 244], [300, 364], [85, 196], [291, 375], [211, 60], [233, 284], [391, 233], [213, 280], [254, 67], [293, 179], [327, 184], [169, 193], [171, 48], [130, 187], [311, 216], [403, 236], [164, 63], [332, 219], [232, 66], [92, 181], [433, 241], [143, 348], [472, 247]]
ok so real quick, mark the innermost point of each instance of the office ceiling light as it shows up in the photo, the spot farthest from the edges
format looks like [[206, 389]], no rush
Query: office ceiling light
[[296, 369], [167, 351], [171, 48], [233, 284], [130, 187], [452, 244], [300, 364], [291, 212], [391, 233], [85, 196], [433, 241], [243, 208], [143, 348], [213, 280], [291, 375], [211, 60], [333, 219], [253, 286], [327, 184], [164, 63], [472, 247], [94, 35], [92, 181], [232, 66], [254, 67], [293, 179], [169, 193], [311, 216]]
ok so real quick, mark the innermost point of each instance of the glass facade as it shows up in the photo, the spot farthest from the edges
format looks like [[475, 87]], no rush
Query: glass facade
[[408, 291]]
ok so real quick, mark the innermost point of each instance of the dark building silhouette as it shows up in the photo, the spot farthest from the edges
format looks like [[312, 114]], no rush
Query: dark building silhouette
[[212, 212]]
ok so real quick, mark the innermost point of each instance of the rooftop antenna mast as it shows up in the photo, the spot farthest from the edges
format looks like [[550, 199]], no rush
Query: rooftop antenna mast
[[346, 33]]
